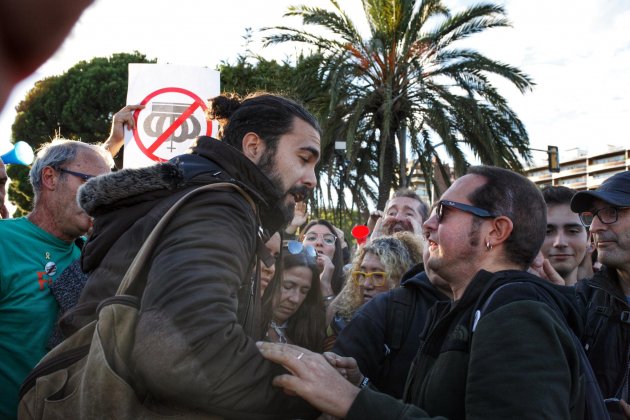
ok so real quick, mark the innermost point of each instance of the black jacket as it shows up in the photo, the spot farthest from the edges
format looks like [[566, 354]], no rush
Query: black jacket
[[195, 339], [607, 331], [384, 335], [520, 361]]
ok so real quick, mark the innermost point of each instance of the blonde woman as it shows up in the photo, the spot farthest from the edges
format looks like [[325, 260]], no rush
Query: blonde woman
[[376, 268]]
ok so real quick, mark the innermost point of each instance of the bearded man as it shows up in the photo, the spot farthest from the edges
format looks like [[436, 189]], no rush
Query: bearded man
[[195, 339]]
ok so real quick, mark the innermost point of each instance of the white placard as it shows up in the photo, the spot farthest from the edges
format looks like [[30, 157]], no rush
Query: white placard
[[175, 99]]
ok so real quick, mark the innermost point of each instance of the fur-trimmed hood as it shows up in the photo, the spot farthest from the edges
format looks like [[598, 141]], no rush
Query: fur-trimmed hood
[[119, 200], [106, 190], [132, 186]]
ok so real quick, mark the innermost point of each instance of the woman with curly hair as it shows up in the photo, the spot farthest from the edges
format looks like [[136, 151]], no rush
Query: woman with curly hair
[[376, 268], [293, 302]]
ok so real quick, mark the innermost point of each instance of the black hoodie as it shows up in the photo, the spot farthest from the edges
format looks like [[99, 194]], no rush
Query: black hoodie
[[384, 335]]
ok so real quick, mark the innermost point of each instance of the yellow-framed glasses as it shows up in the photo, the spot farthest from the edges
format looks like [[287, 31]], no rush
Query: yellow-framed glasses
[[377, 278]]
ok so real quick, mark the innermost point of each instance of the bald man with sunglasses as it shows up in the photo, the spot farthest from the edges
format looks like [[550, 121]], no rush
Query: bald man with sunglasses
[[476, 361]]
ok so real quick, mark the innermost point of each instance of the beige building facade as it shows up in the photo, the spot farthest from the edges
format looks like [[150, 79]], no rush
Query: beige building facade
[[582, 171]]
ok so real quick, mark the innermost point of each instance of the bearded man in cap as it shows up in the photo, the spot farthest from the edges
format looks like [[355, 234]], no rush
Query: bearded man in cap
[[606, 296]]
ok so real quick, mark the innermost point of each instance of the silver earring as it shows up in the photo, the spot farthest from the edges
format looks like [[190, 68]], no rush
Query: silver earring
[[488, 246]]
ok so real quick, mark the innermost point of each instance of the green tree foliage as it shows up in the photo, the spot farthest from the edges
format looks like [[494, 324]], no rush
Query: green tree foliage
[[78, 105], [408, 84]]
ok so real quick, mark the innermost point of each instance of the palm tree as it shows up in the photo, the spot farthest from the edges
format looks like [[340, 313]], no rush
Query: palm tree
[[408, 85]]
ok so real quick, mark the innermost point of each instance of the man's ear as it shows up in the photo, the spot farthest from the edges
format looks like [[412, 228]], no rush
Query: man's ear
[[501, 230], [253, 147], [50, 178]]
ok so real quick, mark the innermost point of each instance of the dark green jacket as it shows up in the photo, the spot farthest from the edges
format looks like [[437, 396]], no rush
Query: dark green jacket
[[520, 362], [195, 339]]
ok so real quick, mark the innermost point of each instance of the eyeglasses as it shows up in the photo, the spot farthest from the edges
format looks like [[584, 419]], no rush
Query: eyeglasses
[[606, 215], [81, 175], [439, 209], [327, 238], [360, 277], [295, 247]]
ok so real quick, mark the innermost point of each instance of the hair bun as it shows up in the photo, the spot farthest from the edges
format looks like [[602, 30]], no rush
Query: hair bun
[[223, 106]]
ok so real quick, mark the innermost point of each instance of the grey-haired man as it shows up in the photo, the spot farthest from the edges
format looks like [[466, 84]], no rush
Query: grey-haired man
[[606, 296], [34, 251]]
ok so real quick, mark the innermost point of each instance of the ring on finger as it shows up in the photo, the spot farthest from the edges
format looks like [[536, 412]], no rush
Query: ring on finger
[[299, 356]]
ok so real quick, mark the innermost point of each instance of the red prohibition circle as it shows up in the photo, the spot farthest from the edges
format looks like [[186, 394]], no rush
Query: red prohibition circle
[[198, 102]]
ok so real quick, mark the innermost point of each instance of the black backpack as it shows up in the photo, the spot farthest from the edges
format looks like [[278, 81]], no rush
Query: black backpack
[[594, 407]]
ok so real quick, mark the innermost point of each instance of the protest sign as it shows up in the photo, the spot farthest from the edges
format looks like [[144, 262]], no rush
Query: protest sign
[[175, 100]]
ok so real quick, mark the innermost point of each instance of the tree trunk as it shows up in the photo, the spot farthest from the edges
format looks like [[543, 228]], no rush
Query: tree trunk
[[402, 146], [386, 170]]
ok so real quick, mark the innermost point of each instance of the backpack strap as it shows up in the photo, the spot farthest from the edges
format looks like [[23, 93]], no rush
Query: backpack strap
[[132, 277], [595, 407], [400, 307]]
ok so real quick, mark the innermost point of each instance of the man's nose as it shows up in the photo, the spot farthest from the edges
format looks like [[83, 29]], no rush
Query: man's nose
[[597, 225], [560, 240], [310, 180], [399, 217], [430, 224]]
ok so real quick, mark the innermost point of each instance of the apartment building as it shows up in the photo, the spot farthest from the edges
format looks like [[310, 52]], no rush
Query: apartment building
[[582, 171]]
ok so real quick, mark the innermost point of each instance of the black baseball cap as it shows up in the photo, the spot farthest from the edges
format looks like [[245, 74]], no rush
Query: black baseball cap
[[615, 191]]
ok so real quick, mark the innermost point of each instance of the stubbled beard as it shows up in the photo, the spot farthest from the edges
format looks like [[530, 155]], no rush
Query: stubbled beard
[[267, 165]]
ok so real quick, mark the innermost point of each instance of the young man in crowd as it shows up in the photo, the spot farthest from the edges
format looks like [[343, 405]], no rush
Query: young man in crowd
[[567, 240]]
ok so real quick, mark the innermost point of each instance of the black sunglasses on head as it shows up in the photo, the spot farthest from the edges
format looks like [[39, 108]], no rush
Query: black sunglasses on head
[[479, 212]]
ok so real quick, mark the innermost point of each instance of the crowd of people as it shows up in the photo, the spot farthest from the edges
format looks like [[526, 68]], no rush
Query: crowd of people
[[482, 305], [499, 301]]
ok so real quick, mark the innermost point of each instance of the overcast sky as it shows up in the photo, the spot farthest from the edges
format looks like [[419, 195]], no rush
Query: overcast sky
[[577, 52]]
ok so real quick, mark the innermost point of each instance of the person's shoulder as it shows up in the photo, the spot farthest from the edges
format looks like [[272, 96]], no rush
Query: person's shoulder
[[522, 286], [376, 307]]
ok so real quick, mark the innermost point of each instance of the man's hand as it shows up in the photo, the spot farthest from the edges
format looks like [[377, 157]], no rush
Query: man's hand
[[312, 378], [346, 366], [542, 268], [378, 230], [373, 219], [122, 118]]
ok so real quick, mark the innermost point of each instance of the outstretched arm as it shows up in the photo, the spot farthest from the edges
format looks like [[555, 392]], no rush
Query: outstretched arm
[[122, 118], [313, 378]]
